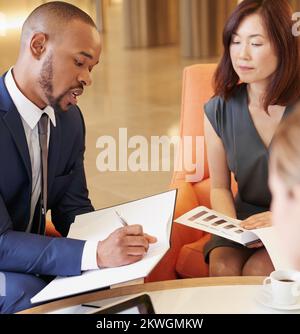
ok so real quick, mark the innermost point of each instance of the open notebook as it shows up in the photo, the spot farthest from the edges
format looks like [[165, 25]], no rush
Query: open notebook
[[154, 213]]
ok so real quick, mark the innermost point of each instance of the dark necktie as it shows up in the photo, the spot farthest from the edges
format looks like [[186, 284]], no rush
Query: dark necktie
[[43, 139]]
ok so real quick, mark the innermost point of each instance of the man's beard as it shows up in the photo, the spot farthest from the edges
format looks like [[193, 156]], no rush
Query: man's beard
[[46, 84]]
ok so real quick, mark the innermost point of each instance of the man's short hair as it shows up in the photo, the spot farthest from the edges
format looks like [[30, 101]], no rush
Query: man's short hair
[[57, 12]]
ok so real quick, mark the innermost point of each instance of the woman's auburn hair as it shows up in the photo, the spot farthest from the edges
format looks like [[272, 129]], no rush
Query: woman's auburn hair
[[284, 86]]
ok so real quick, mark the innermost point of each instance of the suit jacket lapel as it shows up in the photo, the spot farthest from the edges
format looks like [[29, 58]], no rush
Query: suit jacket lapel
[[13, 122]]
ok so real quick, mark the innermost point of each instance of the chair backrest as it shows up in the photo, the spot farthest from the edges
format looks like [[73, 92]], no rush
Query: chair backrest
[[196, 91]]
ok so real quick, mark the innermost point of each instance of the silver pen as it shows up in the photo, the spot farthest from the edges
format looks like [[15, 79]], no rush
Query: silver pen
[[122, 219]]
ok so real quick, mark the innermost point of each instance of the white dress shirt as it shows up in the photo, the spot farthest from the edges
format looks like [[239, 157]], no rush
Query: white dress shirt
[[30, 116]]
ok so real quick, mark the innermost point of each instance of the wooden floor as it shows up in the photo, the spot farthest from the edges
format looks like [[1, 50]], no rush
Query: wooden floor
[[136, 89]]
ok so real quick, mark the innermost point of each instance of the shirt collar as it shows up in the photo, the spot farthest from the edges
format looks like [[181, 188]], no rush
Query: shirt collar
[[28, 110]]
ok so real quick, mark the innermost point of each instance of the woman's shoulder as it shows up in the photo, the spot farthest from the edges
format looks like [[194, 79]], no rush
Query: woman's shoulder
[[214, 102], [221, 103], [219, 110]]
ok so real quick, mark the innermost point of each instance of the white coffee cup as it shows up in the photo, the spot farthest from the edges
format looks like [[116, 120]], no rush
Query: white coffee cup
[[285, 286]]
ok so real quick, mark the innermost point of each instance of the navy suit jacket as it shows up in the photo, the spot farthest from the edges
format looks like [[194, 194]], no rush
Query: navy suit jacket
[[67, 193]]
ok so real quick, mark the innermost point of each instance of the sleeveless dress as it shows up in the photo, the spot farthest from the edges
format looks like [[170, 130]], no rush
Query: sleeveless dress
[[246, 154]]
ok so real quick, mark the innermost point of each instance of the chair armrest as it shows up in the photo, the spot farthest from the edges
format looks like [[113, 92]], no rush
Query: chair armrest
[[190, 262], [186, 198], [51, 231]]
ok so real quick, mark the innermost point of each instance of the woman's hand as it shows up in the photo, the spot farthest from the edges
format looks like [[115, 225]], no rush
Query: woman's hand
[[259, 220]]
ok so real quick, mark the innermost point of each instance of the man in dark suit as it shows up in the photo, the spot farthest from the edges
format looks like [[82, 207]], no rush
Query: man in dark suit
[[60, 45]]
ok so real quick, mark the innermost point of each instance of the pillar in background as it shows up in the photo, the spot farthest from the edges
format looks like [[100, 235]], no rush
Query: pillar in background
[[295, 4], [101, 8], [150, 22], [202, 24]]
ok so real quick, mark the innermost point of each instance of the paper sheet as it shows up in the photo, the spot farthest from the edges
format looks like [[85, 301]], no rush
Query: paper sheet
[[271, 239]]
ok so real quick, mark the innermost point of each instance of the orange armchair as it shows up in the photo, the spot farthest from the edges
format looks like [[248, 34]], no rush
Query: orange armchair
[[196, 91], [185, 241], [185, 258]]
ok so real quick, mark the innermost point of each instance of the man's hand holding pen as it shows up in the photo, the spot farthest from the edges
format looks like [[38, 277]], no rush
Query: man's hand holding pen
[[125, 245]]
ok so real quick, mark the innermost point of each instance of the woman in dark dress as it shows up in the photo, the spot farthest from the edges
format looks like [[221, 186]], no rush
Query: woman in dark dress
[[256, 84]]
